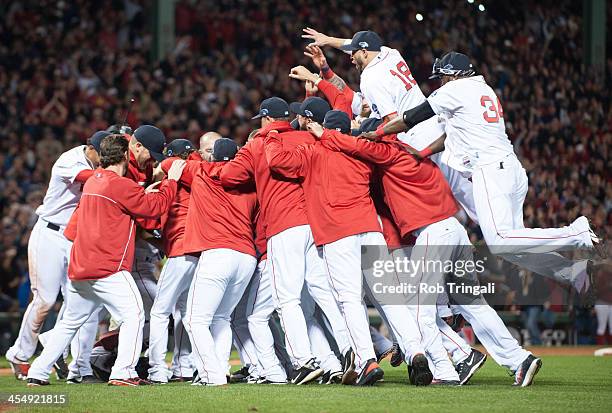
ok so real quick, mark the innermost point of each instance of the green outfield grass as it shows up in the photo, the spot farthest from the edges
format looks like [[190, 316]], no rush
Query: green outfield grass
[[565, 384]]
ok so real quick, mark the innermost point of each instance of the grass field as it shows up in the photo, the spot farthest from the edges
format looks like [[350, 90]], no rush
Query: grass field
[[564, 384]]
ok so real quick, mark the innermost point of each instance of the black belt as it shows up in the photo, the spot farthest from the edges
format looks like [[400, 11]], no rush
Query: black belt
[[52, 226]]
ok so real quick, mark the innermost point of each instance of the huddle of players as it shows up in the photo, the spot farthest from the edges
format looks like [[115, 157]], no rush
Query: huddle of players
[[280, 224]]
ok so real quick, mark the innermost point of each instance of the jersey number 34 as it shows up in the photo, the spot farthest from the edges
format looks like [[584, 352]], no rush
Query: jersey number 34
[[404, 75], [493, 113]]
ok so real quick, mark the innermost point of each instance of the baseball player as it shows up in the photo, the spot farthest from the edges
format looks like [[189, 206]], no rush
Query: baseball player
[[49, 250], [99, 264], [174, 281], [222, 230], [477, 146], [386, 81], [290, 243]]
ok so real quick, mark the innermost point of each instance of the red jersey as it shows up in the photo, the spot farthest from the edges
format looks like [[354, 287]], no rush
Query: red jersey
[[173, 222], [217, 217], [105, 230], [337, 188], [416, 192], [281, 200]]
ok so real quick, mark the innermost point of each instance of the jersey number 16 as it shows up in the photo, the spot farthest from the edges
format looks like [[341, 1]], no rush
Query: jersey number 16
[[492, 113], [404, 75]]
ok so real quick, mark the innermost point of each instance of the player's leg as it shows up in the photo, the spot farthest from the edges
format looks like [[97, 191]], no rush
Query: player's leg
[[601, 311], [241, 336], [318, 342], [46, 260], [174, 280], [499, 192], [237, 285], [182, 366], [342, 263], [119, 295], [259, 326], [81, 347], [319, 289], [80, 303], [287, 264]]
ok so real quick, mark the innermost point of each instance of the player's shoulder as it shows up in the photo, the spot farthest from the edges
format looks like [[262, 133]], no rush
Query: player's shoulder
[[72, 156]]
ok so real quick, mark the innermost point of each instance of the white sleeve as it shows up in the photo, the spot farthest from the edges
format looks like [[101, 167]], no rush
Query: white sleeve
[[380, 99], [444, 100], [348, 52], [67, 169]]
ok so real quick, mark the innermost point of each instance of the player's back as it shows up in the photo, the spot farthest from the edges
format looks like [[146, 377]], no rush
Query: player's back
[[475, 128], [388, 84], [63, 193]]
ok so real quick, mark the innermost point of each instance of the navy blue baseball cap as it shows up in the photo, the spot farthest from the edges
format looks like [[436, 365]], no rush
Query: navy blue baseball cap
[[365, 39], [96, 139], [312, 107], [153, 139], [367, 125], [274, 107], [224, 149], [179, 147], [452, 64], [338, 120]]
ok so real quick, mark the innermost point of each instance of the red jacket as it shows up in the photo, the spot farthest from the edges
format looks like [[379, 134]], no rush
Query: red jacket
[[105, 230], [217, 217], [173, 222], [416, 192], [338, 99], [281, 200], [337, 188]]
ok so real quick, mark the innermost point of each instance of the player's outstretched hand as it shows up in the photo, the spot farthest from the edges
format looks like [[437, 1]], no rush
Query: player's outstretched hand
[[176, 170], [371, 136], [303, 74], [152, 188], [310, 87], [317, 56], [319, 39], [315, 128]]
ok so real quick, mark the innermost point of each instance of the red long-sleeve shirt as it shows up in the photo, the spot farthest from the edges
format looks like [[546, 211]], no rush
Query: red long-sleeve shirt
[[281, 200], [416, 192], [337, 188], [217, 217], [173, 222], [105, 230]]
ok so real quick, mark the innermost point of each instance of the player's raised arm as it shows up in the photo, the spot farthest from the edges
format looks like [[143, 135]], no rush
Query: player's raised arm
[[321, 39], [239, 170]]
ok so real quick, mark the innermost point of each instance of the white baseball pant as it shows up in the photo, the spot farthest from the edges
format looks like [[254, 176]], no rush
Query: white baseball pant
[[48, 255], [294, 259], [144, 270], [499, 193], [381, 343], [174, 280], [220, 280], [182, 364], [240, 328], [318, 341], [119, 295], [259, 323], [604, 318]]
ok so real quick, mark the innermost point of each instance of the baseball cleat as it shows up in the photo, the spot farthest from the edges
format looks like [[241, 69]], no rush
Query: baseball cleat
[[20, 370], [445, 383], [397, 358], [370, 374], [36, 382], [419, 373], [263, 380], [525, 374], [307, 373], [89, 379], [179, 379], [136, 381], [61, 368], [331, 377], [349, 374], [380, 357], [468, 367], [240, 376]]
